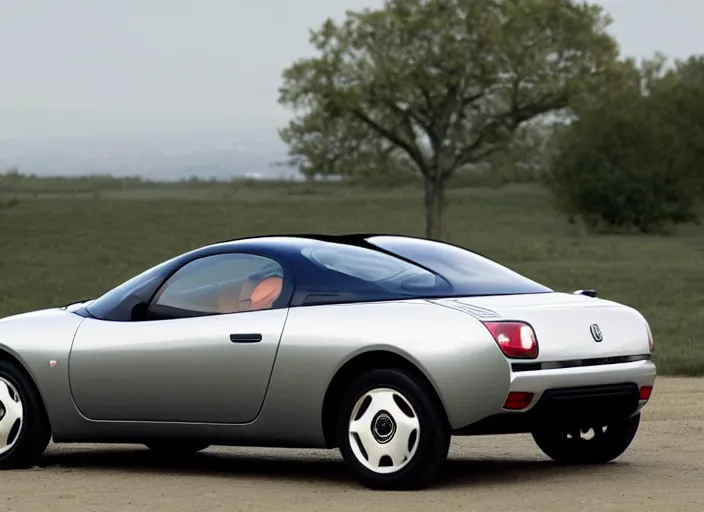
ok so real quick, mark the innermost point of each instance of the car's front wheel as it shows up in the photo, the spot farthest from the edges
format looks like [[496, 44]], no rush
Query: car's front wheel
[[391, 432], [596, 445], [24, 428]]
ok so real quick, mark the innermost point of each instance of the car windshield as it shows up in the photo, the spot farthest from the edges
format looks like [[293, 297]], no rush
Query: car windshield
[[100, 306], [375, 267], [468, 273]]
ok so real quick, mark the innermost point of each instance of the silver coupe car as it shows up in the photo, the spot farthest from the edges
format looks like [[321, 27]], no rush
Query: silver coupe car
[[383, 346]]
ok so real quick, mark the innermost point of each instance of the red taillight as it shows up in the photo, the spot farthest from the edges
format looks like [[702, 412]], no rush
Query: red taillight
[[515, 339], [517, 400], [645, 392]]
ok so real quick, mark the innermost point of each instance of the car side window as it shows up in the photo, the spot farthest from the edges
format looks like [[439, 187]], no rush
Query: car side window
[[219, 284]]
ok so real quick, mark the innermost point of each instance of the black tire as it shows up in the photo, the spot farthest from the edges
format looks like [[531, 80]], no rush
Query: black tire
[[426, 464], [34, 434], [600, 449], [176, 448]]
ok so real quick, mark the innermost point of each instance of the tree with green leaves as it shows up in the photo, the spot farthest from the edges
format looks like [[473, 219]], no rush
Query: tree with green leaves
[[438, 84], [681, 97], [632, 157]]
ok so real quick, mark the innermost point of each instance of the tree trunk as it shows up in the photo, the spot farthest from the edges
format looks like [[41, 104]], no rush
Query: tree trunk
[[434, 208]]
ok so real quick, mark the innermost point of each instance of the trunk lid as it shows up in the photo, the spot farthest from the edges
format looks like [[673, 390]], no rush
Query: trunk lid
[[567, 326]]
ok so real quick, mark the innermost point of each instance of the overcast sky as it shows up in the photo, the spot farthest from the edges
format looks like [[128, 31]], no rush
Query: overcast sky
[[138, 68]]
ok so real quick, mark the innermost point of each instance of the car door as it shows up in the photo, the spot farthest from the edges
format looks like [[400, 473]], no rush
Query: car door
[[203, 353]]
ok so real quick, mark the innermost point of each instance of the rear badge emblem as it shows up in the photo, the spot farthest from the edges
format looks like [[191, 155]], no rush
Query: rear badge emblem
[[596, 333]]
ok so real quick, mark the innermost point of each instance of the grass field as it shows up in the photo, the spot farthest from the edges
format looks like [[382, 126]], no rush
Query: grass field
[[66, 241]]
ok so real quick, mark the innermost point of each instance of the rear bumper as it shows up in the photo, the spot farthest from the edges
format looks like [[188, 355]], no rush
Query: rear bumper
[[571, 398]]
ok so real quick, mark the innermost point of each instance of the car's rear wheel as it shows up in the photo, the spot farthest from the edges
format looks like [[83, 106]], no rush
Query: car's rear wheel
[[594, 445], [391, 432], [24, 428], [176, 448]]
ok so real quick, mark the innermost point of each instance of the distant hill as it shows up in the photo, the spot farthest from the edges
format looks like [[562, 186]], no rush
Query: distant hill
[[206, 156]]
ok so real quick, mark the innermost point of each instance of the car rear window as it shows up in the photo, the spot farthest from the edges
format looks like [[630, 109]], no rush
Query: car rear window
[[374, 267], [468, 273]]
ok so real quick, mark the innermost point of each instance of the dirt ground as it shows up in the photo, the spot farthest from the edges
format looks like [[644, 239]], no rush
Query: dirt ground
[[662, 471]]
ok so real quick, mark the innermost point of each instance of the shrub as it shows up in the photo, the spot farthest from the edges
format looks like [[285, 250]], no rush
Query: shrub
[[619, 166]]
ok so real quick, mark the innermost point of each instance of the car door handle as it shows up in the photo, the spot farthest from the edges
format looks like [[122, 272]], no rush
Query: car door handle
[[246, 338]]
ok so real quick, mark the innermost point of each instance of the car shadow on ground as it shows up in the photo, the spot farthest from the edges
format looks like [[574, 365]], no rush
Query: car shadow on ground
[[459, 472]]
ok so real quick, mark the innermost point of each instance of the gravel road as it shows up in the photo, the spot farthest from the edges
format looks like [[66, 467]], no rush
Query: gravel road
[[662, 471]]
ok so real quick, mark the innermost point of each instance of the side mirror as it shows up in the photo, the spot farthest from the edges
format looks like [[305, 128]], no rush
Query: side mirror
[[139, 312], [588, 293]]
